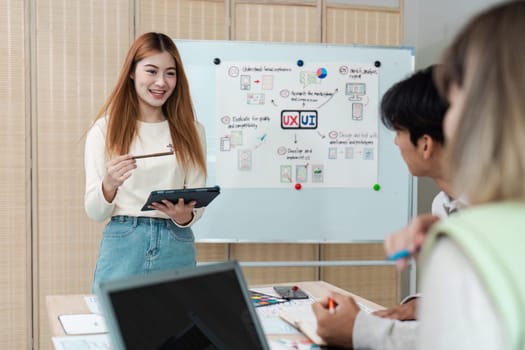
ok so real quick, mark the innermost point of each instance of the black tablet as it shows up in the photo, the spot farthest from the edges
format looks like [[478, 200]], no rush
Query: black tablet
[[203, 196]]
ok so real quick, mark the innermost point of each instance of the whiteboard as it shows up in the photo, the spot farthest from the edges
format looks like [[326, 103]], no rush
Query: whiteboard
[[295, 141]]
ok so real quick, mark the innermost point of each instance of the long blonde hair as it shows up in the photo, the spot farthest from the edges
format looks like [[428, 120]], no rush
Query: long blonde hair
[[486, 157], [122, 107]]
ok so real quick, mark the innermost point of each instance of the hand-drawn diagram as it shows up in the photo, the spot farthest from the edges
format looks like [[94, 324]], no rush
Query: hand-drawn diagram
[[280, 124]]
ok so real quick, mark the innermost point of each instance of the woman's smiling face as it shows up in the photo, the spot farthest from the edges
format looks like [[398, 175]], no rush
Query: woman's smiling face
[[155, 78]]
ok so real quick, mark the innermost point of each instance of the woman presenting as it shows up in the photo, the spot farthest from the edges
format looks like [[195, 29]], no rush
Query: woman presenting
[[149, 112]]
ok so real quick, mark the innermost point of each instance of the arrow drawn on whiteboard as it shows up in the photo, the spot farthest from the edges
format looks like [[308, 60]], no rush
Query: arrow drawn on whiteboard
[[319, 133], [273, 103], [294, 138], [328, 99]]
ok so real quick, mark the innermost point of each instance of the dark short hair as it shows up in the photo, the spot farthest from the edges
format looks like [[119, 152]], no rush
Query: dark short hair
[[414, 104]]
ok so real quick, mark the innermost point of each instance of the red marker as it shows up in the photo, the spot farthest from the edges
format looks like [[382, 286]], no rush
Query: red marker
[[331, 306]]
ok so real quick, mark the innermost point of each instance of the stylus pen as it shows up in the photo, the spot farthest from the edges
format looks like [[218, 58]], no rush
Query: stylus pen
[[404, 253], [151, 155]]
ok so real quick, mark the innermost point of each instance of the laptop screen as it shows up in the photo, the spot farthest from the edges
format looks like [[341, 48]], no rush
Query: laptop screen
[[201, 308]]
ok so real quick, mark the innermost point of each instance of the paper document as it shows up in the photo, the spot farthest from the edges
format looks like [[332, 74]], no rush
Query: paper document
[[303, 318], [86, 342], [82, 323]]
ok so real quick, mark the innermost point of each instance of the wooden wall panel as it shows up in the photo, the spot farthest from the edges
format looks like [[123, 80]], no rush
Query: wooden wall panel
[[80, 47], [276, 252], [212, 252], [15, 269], [367, 25], [276, 21], [184, 19]]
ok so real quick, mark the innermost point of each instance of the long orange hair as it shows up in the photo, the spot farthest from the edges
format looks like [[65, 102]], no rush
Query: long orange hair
[[122, 106]]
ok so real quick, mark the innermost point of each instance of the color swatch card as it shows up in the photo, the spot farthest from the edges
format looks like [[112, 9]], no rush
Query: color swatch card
[[260, 299]]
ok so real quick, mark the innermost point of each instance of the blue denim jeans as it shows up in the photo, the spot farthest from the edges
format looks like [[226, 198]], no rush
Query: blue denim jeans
[[140, 245]]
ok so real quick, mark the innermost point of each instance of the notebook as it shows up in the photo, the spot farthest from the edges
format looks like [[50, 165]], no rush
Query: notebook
[[302, 317], [204, 307]]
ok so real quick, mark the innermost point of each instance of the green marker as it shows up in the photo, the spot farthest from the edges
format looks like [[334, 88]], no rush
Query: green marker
[[377, 187]]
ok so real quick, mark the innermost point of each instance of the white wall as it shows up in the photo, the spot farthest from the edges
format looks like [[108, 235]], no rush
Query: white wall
[[430, 25]]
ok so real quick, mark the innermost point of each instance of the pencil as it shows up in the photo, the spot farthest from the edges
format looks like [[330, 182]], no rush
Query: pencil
[[331, 306], [151, 155]]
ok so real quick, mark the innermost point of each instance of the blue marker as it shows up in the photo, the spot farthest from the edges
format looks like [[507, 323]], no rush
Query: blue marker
[[404, 253]]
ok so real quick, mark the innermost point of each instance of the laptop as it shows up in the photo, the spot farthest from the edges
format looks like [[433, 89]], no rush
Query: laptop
[[207, 307]]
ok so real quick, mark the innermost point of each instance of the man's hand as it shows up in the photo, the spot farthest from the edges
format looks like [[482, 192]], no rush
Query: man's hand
[[411, 238], [336, 328], [402, 312]]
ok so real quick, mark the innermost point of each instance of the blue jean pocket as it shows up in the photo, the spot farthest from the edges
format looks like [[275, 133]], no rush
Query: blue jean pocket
[[118, 229], [180, 234]]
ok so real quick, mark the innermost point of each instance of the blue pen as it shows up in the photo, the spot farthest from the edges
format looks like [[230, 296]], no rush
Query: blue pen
[[404, 253]]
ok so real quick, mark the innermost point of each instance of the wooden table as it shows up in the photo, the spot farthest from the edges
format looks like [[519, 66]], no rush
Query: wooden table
[[75, 304]]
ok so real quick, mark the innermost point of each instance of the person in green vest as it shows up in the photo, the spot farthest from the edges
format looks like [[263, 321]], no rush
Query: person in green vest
[[472, 278], [472, 282]]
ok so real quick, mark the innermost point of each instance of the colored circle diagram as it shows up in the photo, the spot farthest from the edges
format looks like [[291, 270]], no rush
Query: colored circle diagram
[[321, 73]]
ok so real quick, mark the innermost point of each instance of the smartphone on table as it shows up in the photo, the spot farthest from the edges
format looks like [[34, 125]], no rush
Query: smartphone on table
[[290, 292]]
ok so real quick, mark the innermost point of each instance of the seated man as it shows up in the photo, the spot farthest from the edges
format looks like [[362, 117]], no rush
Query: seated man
[[414, 109]]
